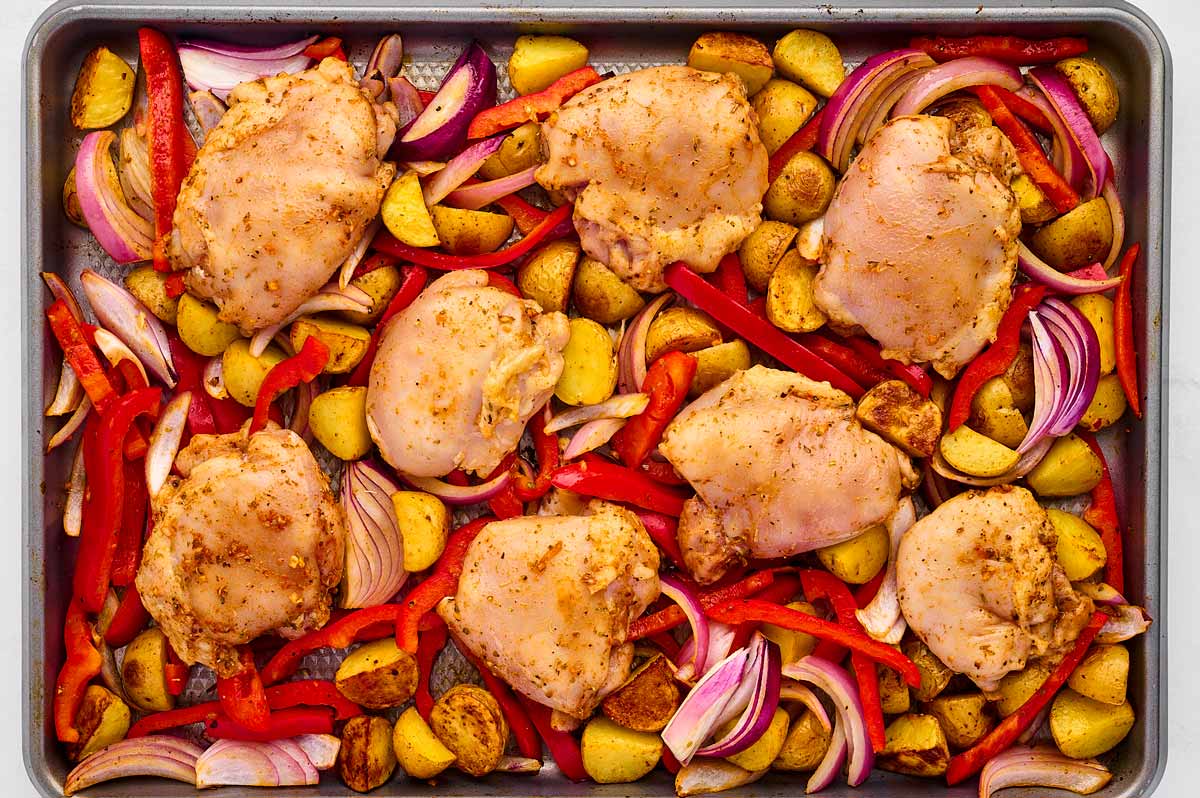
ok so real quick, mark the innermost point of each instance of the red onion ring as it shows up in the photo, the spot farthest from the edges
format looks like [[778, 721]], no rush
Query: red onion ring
[[1041, 767], [76, 489], [72, 426], [1064, 283], [458, 495], [159, 755], [1116, 213], [961, 73], [459, 168], [701, 710], [251, 52], [1078, 339], [682, 595], [127, 318], [836, 683], [165, 440], [479, 195], [121, 231], [1067, 108], [631, 353], [757, 715]]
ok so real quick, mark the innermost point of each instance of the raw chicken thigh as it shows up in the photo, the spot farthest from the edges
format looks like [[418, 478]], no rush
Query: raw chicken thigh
[[547, 601], [459, 373], [663, 164], [248, 540], [980, 584], [920, 242], [780, 466], [281, 192]]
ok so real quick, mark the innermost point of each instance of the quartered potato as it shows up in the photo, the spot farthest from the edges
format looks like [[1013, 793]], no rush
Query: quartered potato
[[1083, 727], [718, 363], [547, 274], [790, 303], [338, 419], [743, 55], [1098, 309], [782, 107], [243, 372], [1078, 238], [1095, 88], [102, 720], [378, 675], [520, 150], [802, 191], [424, 526], [811, 58], [1080, 551], [1068, 469], [680, 329], [419, 751], [1035, 206], [589, 374], [70, 201], [648, 698], [857, 560], [142, 675], [199, 328], [976, 454], [805, 744], [916, 746], [994, 414], [404, 212], [964, 718], [600, 294], [538, 61], [762, 251], [901, 416], [103, 91], [1103, 675], [381, 285], [469, 722], [366, 758], [792, 644], [464, 232], [347, 342], [894, 695], [613, 754], [766, 748], [150, 287], [1016, 687], [934, 673], [1019, 379], [1107, 406]]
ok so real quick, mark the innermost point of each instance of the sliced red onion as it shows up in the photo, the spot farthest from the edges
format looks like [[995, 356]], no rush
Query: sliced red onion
[[631, 353], [1043, 766], [831, 764], [388, 56], [133, 170], [425, 168], [214, 378], [220, 72], [406, 98], [321, 749], [592, 436], [374, 569], [70, 391], [1064, 283], [720, 643], [251, 52], [879, 114], [291, 749], [123, 233], [249, 764], [158, 755], [72, 426], [519, 764], [882, 616], [1130, 621], [1067, 108], [706, 776], [306, 392], [836, 683], [440, 130], [701, 710], [682, 595], [1027, 463], [1067, 158], [1039, 720], [951, 76], [794, 691], [623, 405], [757, 715], [140, 330], [76, 489], [459, 168], [115, 351], [457, 495], [59, 290], [1079, 342], [330, 298], [164, 441], [1101, 593], [1051, 381], [1116, 213], [207, 109], [480, 195], [350, 264]]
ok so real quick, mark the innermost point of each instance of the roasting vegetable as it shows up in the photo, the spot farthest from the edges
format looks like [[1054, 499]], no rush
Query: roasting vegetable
[[856, 561], [380, 285], [347, 342], [102, 720], [783, 108], [589, 373], [1035, 206], [366, 758], [1080, 550], [934, 674], [994, 414], [520, 150], [613, 754], [538, 61], [1095, 87], [802, 191], [680, 329], [763, 250], [964, 718], [404, 213], [718, 363], [790, 303], [792, 644], [378, 675], [424, 524], [338, 419], [899, 415], [469, 722], [1068, 469], [600, 295], [894, 695], [547, 274], [744, 56], [244, 373], [142, 672], [1103, 675], [976, 454], [150, 288], [916, 746], [1108, 405], [1016, 687], [419, 751], [103, 90], [1079, 237], [464, 232], [1083, 727], [648, 698], [1098, 309], [201, 329], [805, 745], [811, 58]]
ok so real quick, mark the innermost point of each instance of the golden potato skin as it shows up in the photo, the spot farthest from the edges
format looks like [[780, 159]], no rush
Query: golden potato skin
[[782, 107], [1078, 238], [1096, 89], [916, 746], [142, 675], [1068, 469], [802, 191], [1016, 687], [464, 232], [150, 288], [613, 754], [894, 696], [1098, 309], [338, 420], [102, 719], [547, 274], [244, 373], [805, 745], [1107, 406], [744, 56], [469, 722], [366, 759], [70, 201], [1035, 206], [718, 363], [419, 752], [964, 718], [857, 560], [199, 328], [1081, 552], [790, 303], [600, 295], [520, 150], [901, 416], [934, 674], [994, 414], [976, 454], [378, 675], [1103, 675], [680, 329], [646, 702], [424, 525], [347, 343], [589, 374], [1083, 727], [404, 212], [381, 285], [103, 91], [538, 61], [766, 748], [762, 251], [792, 644], [811, 58]]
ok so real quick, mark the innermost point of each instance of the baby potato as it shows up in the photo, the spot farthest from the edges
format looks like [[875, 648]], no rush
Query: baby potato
[[347, 342], [718, 363], [934, 674], [744, 56], [200, 329], [993, 414], [150, 288], [790, 303], [404, 212], [916, 746], [424, 523], [589, 373], [102, 719], [782, 107], [547, 274], [142, 674], [464, 232], [792, 644], [766, 748], [244, 373], [1080, 550], [103, 90], [964, 718], [366, 758], [857, 560], [521, 149], [680, 329], [1096, 89], [613, 754], [469, 722], [976, 454], [1019, 379], [802, 191], [762, 250], [805, 745], [811, 58], [1098, 309], [338, 419], [378, 675], [1017, 686], [1035, 206], [1068, 469], [1078, 238], [1103, 675], [1107, 406], [538, 61], [901, 416], [647, 700], [894, 696], [601, 295], [70, 201], [1083, 727], [381, 285], [419, 751]]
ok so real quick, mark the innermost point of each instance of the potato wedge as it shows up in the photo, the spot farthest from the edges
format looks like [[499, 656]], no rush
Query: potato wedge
[[589, 374], [377, 675], [418, 750], [1099, 311], [538, 61], [465, 232], [1083, 727], [366, 759], [404, 212], [520, 150], [200, 329], [601, 295], [802, 191], [1019, 379], [811, 58], [718, 363], [792, 644], [766, 748], [142, 674], [347, 342], [1081, 236], [103, 91], [901, 416], [547, 274], [857, 560], [338, 419], [934, 674], [613, 754], [381, 285], [1068, 469], [1016, 687], [648, 698], [243, 372], [790, 303], [1095, 88], [1107, 407], [976, 454], [102, 719], [916, 746], [469, 722], [1080, 550], [762, 251], [805, 745], [424, 525], [964, 718], [70, 201], [744, 56], [782, 107], [1103, 675], [680, 329], [894, 695], [150, 288], [994, 414], [1035, 206]]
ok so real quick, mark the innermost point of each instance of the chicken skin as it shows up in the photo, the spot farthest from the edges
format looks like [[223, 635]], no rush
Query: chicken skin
[[547, 601], [248, 540], [920, 242], [281, 192], [663, 164], [979, 582], [459, 373], [780, 466]]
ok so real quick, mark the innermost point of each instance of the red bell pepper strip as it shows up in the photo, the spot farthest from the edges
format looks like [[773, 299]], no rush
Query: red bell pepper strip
[[669, 761], [532, 107], [106, 472], [843, 358], [497, 280], [281, 725], [910, 373], [604, 480], [133, 526], [525, 216], [174, 285], [1009, 49], [373, 262], [866, 591], [304, 366], [79, 355], [667, 643], [167, 135], [802, 140], [190, 369], [385, 242], [545, 446], [174, 718], [505, 504], [312, 693], [426, 96], [755, 329], [731, 279], [564, 748], [82, 664], [1029, 152], [518, 719], [329, 47], [281, 697], [128, 621], [242, 695], [1126, 351], [664, 472], [668, 618], [999, 739], [412, 283], [664, 531], [785, 588], [352, 628], [822, 584], [1022, 108], [995, 360], [667, 382], [744, 610], [429, 645], [175, 671], [1102, 515]]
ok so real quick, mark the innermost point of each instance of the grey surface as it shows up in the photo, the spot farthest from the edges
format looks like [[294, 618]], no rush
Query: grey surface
[[1122, 38]]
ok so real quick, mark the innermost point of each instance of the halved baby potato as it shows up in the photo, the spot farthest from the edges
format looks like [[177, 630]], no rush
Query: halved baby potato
[[1098, 309], [762, 251], [103, 91], [366, 758], [857, 560], [1081, 236], [916, 746], [150, 287], [782, 107], [424, 523], [589, 374], [381, 285], [680, 329], [994, 414], [102, 719], [1017, 686], [964, 718], [418, 749], [200, 328], [766, 749], [647, 700], [718, 363], [613, 754], [1083, 727], [405, 214], [338, 419], [1081, 552], [811, 58], [934, 673], [244, 373], [378, 675], [1103, 675], [601, 295], [901, 416], [791, 305], [538, 61], [347, 342], [464, 232], [142, 674], [744, 56], [792, 644], [976, 454], [802, 191], [469, 722], [521, 149], [1069, 468], [547, 274], [1107, 406], [805, 744]]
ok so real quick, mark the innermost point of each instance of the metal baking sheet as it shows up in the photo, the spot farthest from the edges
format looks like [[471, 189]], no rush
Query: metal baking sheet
[[620, 37]]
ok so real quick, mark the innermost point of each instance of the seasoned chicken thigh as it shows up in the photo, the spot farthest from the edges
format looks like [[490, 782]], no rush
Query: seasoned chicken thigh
[[780, 466], [980, 584], [663, 164], [247, 540], [920, 242], [547, 601], [282, 190], [459, 373]]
